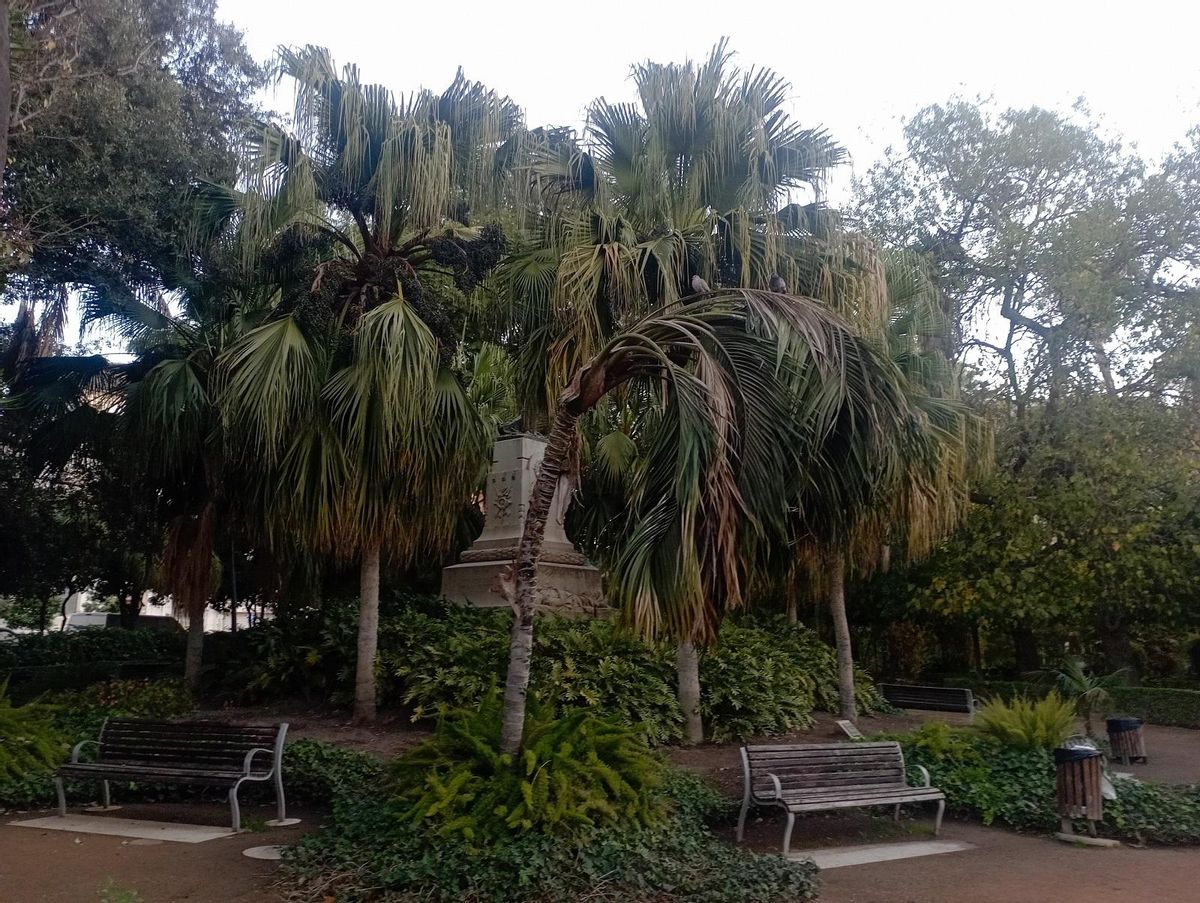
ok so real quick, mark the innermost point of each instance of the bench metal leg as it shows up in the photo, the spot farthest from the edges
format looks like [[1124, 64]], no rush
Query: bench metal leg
[[742, 819], [937, 822], [105, 794], [897, 816], [280, 801], [787, 832], [235, 814], [62, 796]]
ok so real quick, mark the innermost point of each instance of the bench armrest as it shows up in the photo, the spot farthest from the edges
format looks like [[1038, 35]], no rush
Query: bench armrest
[[778, 786], [79, 746], [925, 774], [248, 761]]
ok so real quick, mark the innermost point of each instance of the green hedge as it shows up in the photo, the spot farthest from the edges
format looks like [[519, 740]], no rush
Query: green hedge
[[92, 644], [1157, 705]]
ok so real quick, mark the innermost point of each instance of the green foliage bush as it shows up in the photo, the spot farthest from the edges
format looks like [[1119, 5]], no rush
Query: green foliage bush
[[371, 851], [92, 644], [319, 772], [1154, 813], [77, 715], [1037, 724], [751, 685], [1157, 705], [763, 677], [984, 778], [574, 774], [29, 741], [1014, 786]]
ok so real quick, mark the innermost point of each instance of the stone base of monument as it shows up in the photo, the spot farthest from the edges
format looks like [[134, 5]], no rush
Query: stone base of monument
[[567, 583], [572, 589]]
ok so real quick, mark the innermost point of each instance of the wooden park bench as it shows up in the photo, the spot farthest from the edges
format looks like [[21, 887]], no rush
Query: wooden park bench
[[930, 699], [816, 777], [202, 753]]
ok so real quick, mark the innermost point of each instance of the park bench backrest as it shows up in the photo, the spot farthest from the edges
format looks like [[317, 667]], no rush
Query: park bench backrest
[[933, 699], [199, 744], [825, 766]]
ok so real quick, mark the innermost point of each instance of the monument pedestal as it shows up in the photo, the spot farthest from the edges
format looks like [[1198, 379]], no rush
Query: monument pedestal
[[567, 583]]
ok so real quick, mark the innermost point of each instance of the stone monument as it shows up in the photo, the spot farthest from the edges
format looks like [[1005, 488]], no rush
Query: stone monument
[[567, 583]]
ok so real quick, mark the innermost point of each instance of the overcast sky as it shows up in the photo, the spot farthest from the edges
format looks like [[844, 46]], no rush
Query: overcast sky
[[858, 67]]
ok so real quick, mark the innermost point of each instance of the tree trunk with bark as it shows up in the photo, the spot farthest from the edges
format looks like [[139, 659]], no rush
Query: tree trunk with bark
[[520, 646], [1025, 650], [194, 658], [5, 84], [687, 665], [368, 636], [836, 577]]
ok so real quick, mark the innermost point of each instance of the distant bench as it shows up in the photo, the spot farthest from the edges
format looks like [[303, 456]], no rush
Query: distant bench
[[172, 752], [815, 777], [930, 699]]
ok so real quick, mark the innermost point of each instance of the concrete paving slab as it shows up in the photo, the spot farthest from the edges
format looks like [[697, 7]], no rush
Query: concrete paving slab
[[839, 857], [126, 827]]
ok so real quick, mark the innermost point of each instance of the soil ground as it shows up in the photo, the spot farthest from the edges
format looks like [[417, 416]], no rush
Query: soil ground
[[61, 867]]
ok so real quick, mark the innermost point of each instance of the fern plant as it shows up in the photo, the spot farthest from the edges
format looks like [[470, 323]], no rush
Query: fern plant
[[28, 739], [573, 775], [1043, 724]]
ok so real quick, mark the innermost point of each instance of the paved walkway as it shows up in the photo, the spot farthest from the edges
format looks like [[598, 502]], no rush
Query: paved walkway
[[1009, 868]]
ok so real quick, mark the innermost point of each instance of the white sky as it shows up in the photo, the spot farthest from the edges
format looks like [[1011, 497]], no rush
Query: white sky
[[857, 67]]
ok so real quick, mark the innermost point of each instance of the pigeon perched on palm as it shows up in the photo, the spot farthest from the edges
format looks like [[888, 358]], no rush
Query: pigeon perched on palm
[[699, 286], [777, 285]]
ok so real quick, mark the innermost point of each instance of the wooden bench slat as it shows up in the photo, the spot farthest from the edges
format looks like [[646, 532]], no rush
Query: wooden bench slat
[[821, 747]]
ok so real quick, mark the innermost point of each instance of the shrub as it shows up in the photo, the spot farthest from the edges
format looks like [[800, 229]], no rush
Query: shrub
[[1040, 724], [575, 774], [92, 644], [319, 772], [78, 714], [1014, 786], [1154, 813], [1159, 705], [369, 851], [752, 685], [29, 742], [985, 778]]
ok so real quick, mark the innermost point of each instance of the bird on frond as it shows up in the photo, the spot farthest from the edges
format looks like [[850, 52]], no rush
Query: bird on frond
[[699, 286], [776, 284]]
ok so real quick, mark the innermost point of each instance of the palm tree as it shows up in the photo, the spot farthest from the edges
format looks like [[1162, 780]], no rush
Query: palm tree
[[894, 297], [690, 187], [367, 441], [751, 387], [1089, 690]]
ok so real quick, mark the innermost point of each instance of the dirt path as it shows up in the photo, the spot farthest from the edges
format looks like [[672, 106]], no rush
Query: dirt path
[[64, 867]]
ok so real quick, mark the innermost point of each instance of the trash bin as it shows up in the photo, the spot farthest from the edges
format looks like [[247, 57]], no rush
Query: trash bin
[[1126, 738], [1078, 780]]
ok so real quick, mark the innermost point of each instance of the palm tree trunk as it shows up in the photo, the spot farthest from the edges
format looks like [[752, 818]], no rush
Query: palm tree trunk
[[368, 636], [194, 657], [841, 630], [520, 644], [687, 664]]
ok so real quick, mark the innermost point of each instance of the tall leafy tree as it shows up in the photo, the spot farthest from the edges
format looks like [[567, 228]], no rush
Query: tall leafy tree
[[368, 442]]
